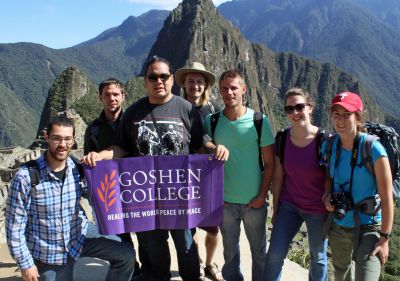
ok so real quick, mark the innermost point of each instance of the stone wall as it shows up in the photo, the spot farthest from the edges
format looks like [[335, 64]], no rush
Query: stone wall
[[11, 158]]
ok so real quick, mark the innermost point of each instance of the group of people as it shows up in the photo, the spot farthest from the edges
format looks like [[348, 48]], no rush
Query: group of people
[[47, 230]]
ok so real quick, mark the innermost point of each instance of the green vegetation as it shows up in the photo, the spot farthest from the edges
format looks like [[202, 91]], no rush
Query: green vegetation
[[346, 33], [390, 272]]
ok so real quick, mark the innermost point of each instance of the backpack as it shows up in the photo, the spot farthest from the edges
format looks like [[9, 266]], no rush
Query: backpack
[[280, 141], [257, 119], [33, 169], [389, 138]]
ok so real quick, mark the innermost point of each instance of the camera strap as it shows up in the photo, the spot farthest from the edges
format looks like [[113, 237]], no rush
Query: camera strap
[[353, 164], [353, 161]]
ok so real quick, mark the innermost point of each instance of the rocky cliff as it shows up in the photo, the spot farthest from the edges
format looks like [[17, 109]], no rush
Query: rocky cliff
[[195, 31], [69, 88]]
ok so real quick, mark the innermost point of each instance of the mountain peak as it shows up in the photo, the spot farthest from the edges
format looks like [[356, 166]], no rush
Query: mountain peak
[[195, 31]]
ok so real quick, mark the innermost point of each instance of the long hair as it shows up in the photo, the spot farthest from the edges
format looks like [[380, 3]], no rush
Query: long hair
[[205, 96]]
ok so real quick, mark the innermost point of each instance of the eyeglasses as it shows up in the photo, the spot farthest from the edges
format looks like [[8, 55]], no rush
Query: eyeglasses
[[289, 109], [57, 140], [154, 77]]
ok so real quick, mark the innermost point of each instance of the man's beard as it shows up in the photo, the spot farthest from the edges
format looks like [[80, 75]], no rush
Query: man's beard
[[57, 157], [115, 109]]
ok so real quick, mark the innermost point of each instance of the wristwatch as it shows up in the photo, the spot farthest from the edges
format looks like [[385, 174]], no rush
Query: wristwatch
[[387, 235]]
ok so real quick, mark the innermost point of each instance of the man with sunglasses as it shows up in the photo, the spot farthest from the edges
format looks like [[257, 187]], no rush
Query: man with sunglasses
[[46, 228], [161, 124], [245, 186]]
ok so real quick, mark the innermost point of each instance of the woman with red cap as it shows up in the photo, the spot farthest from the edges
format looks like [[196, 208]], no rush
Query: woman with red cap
[[360, 202]]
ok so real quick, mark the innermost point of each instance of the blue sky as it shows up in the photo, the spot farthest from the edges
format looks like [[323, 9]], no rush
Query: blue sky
[[64, 23]]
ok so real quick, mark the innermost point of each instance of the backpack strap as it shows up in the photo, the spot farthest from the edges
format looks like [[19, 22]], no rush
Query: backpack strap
[[33, 169], [328, 154], [280, 140], [366, 158], [214, 121], [321, 137], [79, 166], [258, 121], [212, 108]]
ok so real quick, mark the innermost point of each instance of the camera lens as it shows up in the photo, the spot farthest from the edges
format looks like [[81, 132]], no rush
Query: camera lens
[[340, 213]]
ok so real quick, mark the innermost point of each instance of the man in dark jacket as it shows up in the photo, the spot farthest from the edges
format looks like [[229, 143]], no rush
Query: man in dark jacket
[[100, 133]]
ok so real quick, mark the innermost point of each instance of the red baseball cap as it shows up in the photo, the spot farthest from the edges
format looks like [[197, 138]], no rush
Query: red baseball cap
[[350, 101]]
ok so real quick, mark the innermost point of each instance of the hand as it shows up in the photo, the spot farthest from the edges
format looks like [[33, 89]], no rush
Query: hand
[[382, 250], [30, 274], [221, 152], [91, 158], [326, 199], [256, 203]]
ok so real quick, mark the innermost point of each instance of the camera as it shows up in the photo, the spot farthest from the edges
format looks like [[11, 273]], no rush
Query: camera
[[342, 202]]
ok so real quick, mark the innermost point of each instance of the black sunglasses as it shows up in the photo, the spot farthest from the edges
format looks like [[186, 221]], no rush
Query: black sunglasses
[[289, 109], [154, 77]]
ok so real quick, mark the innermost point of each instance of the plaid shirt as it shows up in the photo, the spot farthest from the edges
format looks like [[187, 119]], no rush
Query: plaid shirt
[[45, 222]]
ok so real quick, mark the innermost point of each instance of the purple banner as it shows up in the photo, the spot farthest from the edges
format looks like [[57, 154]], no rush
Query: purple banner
[[156, 192]]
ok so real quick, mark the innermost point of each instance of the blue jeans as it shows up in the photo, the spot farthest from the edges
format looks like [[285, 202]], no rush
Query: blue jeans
[[287, 223], [109, 248], [254, 221], [156, 259]]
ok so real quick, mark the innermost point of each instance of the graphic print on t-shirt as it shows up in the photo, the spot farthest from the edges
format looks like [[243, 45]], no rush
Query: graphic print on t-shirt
[[167, 141]]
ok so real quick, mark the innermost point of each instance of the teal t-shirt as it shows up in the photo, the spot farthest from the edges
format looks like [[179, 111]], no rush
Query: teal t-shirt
[[364, 184], [242, 174]]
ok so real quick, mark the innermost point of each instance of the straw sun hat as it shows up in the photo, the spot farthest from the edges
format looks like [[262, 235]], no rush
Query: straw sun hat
[[195, 67]]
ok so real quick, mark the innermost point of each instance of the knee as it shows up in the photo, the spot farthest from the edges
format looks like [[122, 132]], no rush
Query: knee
[[127, 252], [275, 257]]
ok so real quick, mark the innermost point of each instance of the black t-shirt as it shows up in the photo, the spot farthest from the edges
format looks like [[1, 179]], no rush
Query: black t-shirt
[[208, 108], [179, 128], [60, 174]]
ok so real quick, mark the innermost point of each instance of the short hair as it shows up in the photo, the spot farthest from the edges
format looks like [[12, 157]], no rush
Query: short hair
[[111, 81], [232, 74], [153, 60], [298, 92], [61, 121]]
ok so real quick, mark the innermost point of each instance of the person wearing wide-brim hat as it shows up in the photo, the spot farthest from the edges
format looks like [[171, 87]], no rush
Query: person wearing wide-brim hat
[[196, 83]]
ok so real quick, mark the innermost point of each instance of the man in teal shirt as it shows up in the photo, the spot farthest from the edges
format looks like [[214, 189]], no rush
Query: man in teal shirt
[[245, 185]]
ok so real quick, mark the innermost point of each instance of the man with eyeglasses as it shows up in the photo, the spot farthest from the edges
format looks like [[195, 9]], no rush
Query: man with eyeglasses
[[46, 228], [178, 127]]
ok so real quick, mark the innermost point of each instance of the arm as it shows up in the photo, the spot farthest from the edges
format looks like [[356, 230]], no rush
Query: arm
[[326, 198], [16, 221], [277, 182], [384, 182], [112, 152], [269, 163]]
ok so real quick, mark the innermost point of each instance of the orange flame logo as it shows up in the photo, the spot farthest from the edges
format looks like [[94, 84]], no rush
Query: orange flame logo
[[107, 191]]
